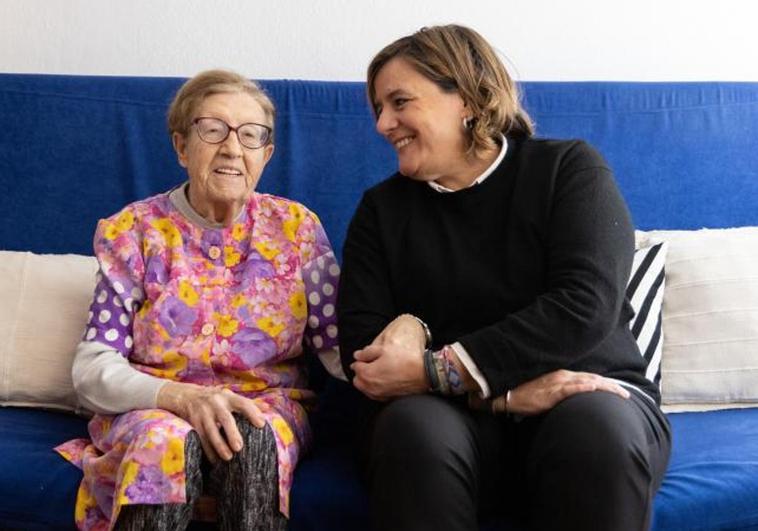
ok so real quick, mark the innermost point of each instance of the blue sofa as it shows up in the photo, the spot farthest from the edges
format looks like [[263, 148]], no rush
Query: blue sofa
[[77, 148]]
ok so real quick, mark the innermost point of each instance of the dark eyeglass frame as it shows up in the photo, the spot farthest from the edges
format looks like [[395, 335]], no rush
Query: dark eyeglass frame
[[229, 129]]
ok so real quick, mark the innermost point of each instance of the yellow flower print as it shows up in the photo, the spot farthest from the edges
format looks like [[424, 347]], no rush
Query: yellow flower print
[[290, 229], [268, 325], [238, 231], [111, 231], [173, 460], [131, 468], [253, 386], [174, 363], [227, 326], [145, 309], [267, 249], [298, 305], [231, 256], [170, 232], [84, 501], [125, 221], [293, 223], [187, 293], [238, 300], [296, 212], [283, 430]]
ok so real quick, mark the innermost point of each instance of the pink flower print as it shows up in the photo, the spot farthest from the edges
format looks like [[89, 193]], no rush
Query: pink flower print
[[176, 317], [253, 346]]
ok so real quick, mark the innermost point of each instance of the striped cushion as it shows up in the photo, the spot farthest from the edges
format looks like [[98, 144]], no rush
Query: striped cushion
[[645, 292]]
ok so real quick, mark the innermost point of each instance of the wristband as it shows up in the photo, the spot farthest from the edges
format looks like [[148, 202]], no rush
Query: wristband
[[431, 371]]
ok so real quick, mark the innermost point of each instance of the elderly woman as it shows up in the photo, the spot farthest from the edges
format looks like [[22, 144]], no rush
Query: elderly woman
[[482, 306], [205, 298]]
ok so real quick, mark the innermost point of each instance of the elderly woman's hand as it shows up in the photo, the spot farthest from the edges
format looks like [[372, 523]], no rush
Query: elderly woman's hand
[[545, 392], [209, 410], [393, 365]]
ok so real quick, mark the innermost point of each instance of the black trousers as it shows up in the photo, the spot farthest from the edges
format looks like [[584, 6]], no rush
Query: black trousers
[[592, 463]]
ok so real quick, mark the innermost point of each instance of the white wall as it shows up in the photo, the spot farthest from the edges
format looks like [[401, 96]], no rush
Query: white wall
[[645, 40]]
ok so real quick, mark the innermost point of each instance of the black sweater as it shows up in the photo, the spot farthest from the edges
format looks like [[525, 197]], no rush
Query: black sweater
[[527, 270]]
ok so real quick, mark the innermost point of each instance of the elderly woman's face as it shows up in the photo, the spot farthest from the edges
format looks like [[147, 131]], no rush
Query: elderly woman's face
[[422, 122], [226, 172]]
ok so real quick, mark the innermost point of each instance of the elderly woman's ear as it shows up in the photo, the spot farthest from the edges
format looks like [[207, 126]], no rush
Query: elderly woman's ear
[[180, 147]]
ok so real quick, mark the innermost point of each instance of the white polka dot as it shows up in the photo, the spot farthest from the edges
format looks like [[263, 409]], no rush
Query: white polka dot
[[313, 321], [334, 270], [320, 262], [118, 287], [89, 317], [328, 289], [117, 301], [90, 334], [128, 305], [102, 296], [318, 342], [123, 319], [328, 310], [104, 316], [331, 331], [137, 293], [128, 342], [111, 335], [313, 298], [315, 277]]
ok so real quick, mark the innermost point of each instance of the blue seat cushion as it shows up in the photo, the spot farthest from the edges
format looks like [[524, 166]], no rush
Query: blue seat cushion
[[711, 483], [712, 479], [37, 486]]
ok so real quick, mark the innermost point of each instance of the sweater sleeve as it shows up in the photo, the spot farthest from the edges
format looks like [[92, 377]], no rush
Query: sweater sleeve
[[588, 249], [106, 383], [365, 304]]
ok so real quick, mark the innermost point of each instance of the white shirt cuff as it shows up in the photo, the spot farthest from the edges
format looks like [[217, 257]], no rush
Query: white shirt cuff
[[472, 369]]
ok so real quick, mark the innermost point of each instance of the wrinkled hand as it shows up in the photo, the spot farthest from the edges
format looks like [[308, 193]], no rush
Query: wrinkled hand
[[543, 393], [393, 364], [209, 410]]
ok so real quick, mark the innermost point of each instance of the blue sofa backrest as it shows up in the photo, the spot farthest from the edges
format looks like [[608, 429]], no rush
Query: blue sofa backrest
[[74, 149]]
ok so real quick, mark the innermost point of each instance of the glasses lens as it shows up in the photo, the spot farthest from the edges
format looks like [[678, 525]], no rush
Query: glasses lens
[[253, 135], [212, 130]]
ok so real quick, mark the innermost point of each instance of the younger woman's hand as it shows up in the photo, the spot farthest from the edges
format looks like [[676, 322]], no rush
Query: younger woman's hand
[[545, 392], [393, 364]]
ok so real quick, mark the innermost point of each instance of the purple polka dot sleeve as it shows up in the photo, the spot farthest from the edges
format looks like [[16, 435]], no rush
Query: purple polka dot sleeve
[[111, 314], [118, 291], [321, 277]]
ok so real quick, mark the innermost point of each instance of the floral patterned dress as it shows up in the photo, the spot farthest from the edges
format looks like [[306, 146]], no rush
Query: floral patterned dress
[[228, 307]]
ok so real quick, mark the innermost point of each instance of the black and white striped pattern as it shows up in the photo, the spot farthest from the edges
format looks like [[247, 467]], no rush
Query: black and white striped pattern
[[645, 291]]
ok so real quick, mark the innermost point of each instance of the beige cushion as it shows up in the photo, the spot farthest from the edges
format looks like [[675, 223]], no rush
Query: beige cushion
[[710, 316], [43, 310]]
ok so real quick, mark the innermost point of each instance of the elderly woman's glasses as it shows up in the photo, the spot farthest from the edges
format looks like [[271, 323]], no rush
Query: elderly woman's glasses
[[215, 131]]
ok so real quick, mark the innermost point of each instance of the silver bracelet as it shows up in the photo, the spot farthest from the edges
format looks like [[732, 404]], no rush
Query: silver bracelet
[[427, 332]]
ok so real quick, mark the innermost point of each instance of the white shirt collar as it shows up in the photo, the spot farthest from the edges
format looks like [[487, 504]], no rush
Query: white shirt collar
[[483, 176]]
